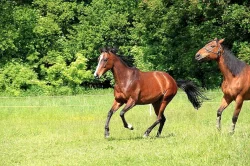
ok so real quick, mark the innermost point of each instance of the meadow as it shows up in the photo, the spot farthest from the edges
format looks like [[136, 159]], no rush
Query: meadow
[[69, 130]]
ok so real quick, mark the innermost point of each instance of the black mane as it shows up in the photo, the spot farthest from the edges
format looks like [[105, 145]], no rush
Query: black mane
[[127, 60], [234, 65]]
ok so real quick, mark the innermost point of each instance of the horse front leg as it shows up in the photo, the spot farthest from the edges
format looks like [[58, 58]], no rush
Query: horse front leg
[[130, 104], [115, 107], [225, 102], [238, 106]]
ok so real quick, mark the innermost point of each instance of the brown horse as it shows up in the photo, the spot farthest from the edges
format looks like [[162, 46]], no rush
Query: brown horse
[[133, 87], [236, 77]]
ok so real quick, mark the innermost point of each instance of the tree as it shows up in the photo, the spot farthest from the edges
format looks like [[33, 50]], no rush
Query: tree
[[57, 41]]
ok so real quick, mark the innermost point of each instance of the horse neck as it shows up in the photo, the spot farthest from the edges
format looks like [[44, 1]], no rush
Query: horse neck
[[224, 69], [121, 72]]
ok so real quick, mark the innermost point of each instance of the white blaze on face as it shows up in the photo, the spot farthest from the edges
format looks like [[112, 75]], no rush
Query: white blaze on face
[[100, 59]]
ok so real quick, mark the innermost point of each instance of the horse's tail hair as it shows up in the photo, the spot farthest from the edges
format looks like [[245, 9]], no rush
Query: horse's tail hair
[[194, 94]]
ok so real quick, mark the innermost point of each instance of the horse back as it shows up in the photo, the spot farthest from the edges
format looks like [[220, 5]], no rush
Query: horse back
[[155, 84]]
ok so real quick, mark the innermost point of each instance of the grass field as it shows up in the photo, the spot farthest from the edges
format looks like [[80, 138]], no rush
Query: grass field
[[69, 130]]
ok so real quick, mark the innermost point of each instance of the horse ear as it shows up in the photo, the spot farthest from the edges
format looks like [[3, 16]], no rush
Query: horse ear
[[215, 39], [101, 50], [221, 40], [114, 50]]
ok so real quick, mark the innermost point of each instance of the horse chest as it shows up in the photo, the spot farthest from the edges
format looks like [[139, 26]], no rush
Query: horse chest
[[120, 95]]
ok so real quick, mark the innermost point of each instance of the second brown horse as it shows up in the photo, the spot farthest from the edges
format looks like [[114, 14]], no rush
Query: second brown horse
[[236, 77], [133, 87]]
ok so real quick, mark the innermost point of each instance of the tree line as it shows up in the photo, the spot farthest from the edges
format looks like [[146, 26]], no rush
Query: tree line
[[51, 46]]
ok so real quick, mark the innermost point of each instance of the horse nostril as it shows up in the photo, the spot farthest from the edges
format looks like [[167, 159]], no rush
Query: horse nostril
[[197, 56]]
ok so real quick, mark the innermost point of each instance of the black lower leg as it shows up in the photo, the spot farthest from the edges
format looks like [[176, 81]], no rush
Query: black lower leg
[[110, 113], [162, 122], [219, 113], [234, 120], [123, 119], [219, 119], [151, 128]]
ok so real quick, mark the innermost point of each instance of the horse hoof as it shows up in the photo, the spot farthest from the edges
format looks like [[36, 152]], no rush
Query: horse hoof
[[218, 128], [145, 135], [130, 127], [106, 135]]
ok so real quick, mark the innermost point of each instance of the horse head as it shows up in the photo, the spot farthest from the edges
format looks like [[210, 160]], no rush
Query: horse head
[[210, 51], [105, 62]]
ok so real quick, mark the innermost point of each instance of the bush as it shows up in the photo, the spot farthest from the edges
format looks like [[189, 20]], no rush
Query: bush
[[16, 77]]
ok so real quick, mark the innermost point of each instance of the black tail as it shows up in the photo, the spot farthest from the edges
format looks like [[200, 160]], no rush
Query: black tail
[[195, 95]]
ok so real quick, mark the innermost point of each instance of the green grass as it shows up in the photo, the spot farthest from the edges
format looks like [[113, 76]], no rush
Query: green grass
[[69, 130]]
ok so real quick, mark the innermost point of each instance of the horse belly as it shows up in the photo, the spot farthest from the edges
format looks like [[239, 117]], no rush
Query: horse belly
[[154, 89], [149, 97]]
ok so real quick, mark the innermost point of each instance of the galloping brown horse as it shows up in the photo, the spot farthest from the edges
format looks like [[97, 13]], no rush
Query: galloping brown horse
[[133, 87], [236, 77]]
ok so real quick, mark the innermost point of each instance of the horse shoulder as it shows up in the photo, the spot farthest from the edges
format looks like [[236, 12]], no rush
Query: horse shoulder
[[239, 85], [246, 83]]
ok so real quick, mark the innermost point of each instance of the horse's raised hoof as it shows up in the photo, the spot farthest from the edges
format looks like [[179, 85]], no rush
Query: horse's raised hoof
[[146, 134], [106, 134], [130, 127]]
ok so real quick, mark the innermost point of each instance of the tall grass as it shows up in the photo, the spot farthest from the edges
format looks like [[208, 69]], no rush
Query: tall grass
[[69, 130]]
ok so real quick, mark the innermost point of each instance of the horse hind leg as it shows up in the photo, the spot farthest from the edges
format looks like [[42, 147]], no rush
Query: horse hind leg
[[238, 106], [156, 106], [161, 114], [159, 108], [162, 122]]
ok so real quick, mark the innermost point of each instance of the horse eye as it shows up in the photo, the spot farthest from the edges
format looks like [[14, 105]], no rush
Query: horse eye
[[105, 60], [212, 46]]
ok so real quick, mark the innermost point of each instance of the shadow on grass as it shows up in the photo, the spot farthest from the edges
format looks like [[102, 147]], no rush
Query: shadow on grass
[[141, 138]]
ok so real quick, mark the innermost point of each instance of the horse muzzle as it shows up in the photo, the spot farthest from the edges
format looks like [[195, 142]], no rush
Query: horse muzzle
[[96, 76], [199, 57]]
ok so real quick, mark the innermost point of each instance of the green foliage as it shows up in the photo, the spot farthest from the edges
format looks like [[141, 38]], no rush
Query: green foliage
[[244, 51], [16, 77], [76, 73], [59, 39], [140, 61], [57, 73], [8, 33]]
